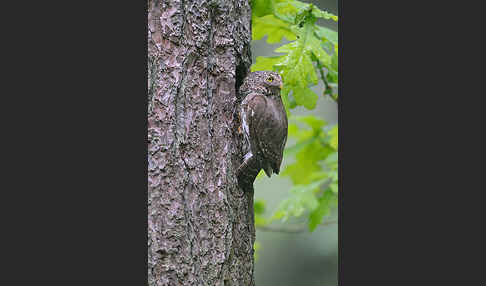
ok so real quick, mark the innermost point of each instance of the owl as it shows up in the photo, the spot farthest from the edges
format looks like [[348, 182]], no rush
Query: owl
[[264, 126]]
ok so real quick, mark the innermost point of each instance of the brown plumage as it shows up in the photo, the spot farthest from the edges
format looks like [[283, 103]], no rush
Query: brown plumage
[[264, 126]]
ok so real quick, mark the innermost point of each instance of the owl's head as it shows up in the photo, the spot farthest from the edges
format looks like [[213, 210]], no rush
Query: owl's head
[[268, 82], [268, 79]]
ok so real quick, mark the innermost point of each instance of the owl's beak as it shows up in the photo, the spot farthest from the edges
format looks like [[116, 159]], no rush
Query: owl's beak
[[281, 85]]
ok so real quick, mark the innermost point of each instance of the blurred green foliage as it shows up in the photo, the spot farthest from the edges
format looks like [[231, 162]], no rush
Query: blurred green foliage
[[311, 55]]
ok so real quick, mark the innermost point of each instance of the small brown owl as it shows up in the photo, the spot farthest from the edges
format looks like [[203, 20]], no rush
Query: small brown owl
[[264, 126]]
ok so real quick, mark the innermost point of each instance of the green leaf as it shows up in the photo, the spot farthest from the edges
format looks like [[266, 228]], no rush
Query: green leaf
[[261, 8], [333, 176], [315, 123], [315, 47], [300, 171], [275, 28], [259, 206], [265, 63], [307, 161], [297, 147], [303, 134], [314, 152], [334, 137], [316, 12], [328, 34], [260, 220], [289, 102], [332, 76], [288, 10], [318, 176], [256, 247], [335, 64], [317, 215], [293, 129], [305, 96], [334, 187], [296, 66], [279, 214], [332, 160], [301, 198]]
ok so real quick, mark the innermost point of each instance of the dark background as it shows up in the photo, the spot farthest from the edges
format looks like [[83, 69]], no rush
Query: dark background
[[74, 144]]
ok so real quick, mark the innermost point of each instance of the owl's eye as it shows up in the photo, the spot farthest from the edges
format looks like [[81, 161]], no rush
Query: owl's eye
[[270, 79]]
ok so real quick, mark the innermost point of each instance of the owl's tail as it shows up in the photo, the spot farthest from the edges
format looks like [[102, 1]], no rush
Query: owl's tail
[[247, 172]]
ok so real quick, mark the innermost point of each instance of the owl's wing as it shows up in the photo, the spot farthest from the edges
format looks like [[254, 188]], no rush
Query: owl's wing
[[273, 128], [284, 141], [254, 108], [267, 130]]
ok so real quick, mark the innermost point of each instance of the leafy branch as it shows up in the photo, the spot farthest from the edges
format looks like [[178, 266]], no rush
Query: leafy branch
[[310, 45]]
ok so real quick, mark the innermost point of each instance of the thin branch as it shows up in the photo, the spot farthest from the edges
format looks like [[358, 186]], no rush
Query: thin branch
[[326, 85]]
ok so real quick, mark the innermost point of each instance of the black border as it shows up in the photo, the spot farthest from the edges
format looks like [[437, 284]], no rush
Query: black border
[[76, 154], [77, 144]]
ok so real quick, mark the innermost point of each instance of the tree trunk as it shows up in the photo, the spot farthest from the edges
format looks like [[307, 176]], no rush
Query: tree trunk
[[200, 223]]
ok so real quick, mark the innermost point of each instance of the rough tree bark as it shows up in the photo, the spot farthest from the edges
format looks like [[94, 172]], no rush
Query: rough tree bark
[[200, 224]]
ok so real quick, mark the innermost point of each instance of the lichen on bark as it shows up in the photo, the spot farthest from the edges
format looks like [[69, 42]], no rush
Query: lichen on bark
[[200, 224]]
